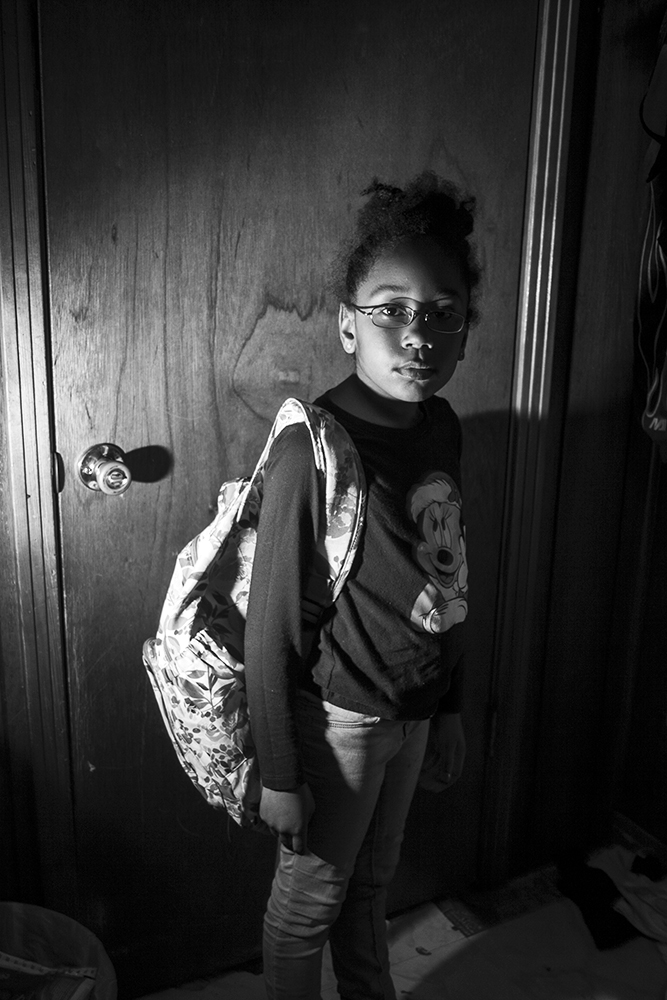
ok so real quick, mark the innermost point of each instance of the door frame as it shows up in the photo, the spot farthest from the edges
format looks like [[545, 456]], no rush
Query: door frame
[[32, 661], [535, 439], [36, 685]]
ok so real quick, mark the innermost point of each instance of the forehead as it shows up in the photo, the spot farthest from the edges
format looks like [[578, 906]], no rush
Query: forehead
[[419, 269]]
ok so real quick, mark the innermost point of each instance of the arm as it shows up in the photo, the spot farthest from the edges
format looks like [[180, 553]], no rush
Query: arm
[[287, 814], [276, 642], [445, 752], [446, 747]]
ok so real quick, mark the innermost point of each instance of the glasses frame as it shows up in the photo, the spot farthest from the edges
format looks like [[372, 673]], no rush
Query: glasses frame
[[413, 313]]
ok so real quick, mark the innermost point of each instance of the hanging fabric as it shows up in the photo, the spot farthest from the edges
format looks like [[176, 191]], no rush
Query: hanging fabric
[[652, 295]]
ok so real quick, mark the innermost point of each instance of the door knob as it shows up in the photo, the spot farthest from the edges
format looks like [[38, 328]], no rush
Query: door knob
[[102, 468]]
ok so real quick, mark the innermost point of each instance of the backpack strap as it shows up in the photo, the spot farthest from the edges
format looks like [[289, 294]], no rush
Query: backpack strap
[[344, 492]]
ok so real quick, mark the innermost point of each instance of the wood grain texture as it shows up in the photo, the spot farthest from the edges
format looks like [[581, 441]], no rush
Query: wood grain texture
[[203, 162]]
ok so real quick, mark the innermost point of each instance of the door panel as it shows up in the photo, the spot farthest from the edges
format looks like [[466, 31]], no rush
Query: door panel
[[203, 161]]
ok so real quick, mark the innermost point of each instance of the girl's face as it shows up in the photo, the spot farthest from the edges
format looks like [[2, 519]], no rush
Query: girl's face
[[411, 363]]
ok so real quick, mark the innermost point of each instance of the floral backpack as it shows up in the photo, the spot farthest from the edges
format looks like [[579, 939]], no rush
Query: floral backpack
[[195, 663]]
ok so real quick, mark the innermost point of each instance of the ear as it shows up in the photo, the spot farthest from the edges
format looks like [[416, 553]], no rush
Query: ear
[[462, 352], [347, 328]]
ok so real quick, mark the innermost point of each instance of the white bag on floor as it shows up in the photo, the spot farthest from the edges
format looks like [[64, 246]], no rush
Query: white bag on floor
[[34, 936], [643, 902]]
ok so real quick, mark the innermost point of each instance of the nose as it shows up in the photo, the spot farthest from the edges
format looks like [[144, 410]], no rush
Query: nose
[[417, 334]]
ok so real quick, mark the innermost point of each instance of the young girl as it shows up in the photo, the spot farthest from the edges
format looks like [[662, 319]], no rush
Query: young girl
[[340, 716]]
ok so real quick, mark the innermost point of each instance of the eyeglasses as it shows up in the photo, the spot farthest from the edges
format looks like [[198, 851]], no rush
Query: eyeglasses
[[393, 315]]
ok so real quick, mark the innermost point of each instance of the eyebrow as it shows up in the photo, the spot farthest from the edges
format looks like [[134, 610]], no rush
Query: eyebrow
[[387, 288], [402, 289]]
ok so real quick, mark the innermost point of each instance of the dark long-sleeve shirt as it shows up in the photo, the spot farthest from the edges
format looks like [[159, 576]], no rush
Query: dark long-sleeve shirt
[[392, 645]]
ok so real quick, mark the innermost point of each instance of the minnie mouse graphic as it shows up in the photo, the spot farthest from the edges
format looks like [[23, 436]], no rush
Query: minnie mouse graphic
[[435, 507]]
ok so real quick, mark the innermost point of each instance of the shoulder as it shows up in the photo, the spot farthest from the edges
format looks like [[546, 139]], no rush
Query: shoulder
[[441, 409], [444, 421], [291, 451], [442, 415]]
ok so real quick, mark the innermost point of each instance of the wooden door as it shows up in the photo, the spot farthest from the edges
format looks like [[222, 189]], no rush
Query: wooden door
[[203, 160]]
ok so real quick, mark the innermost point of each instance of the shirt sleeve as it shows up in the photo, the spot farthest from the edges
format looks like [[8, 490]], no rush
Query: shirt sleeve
[[276, 640], [451, 700]]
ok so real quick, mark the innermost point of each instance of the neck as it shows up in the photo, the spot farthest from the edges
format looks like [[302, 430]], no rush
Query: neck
[[357, 398]]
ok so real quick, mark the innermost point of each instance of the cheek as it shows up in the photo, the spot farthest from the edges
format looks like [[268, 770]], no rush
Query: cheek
[[450, 353], [377, 348]]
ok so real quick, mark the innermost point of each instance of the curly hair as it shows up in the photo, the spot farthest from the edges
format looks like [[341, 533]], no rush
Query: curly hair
[[427, 206]]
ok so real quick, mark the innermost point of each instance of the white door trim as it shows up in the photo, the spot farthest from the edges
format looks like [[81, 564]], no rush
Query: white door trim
[[36, 692], [530, 488]]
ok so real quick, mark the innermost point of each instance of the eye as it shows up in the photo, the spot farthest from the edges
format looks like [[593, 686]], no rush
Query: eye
[[391, 311], [444, 312]]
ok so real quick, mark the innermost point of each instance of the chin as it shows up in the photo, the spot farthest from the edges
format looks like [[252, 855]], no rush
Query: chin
[[417, 392]]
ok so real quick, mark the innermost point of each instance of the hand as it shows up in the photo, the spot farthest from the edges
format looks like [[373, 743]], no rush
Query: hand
[[287, 814], [445, 753]]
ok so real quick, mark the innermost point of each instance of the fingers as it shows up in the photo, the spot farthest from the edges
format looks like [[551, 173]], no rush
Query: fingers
[[453, 758], [296, 842], [443, 764], [431, 783], [453, 766], [299, 843]]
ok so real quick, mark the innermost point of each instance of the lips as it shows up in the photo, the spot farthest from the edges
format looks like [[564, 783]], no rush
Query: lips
[[415, 370]]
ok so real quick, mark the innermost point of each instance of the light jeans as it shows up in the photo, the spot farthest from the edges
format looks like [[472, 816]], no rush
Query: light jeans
[[362, 772]]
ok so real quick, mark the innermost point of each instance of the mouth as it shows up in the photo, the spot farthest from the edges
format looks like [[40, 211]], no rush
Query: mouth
[[416, 371]]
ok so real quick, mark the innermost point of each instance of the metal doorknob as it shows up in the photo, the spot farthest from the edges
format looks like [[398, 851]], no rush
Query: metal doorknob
[[102, 469]]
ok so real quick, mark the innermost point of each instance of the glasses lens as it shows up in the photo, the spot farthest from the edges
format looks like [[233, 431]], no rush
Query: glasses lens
[[445, 321], [390, 316]]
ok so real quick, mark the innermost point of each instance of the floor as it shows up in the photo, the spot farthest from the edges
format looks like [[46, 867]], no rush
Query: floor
[[526, 942]]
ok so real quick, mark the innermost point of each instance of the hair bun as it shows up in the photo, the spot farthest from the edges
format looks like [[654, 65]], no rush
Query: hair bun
[[427, 206], [385, 193]]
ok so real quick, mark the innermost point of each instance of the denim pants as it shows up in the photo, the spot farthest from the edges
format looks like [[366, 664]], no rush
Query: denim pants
[[362, 772]]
